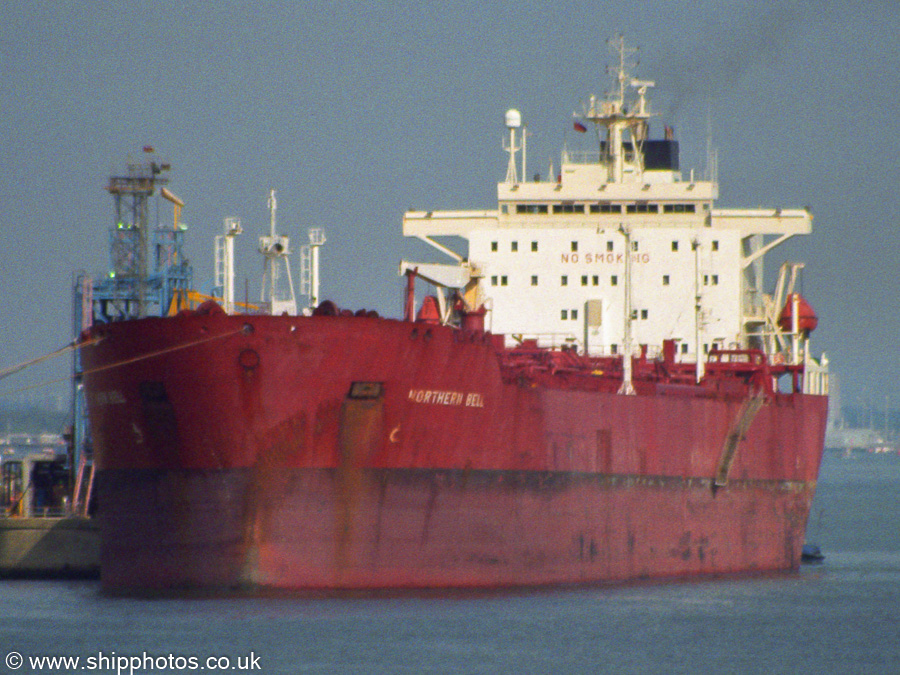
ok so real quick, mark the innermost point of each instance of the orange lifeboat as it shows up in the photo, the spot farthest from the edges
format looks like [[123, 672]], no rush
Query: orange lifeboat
[[807, 319], [429, 312]]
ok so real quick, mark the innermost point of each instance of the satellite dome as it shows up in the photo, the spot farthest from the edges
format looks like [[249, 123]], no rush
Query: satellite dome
[[513, 119]]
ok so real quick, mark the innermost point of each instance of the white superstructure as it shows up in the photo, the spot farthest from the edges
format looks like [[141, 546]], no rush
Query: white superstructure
[[619, 249]]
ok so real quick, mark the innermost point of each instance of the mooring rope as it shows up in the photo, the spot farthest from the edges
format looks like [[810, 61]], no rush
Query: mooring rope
[[89, 343], [160, 352], [74, 344]]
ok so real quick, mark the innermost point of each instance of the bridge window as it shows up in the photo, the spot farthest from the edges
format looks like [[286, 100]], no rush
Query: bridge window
[[606, 207], [642, 207], [679, 208], [531, 208], [568, 208]]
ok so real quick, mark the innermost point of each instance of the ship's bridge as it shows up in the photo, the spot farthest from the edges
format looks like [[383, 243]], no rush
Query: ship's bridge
[[615, 249]]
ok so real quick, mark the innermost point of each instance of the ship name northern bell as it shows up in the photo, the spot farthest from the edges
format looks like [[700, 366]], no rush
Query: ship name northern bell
[[467, 400]]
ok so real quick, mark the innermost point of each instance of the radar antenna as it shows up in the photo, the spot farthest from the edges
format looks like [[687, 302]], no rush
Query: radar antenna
[[513, 122]]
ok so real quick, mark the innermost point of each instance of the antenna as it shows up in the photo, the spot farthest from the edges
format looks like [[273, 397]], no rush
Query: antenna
[[273, 207], [712, 154], [617, 46], [623, 120]]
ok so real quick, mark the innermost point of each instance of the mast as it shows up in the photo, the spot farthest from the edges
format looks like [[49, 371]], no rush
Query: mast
[[276, 250], [272, 268], [627, 387], [615, 117], [698, 310]]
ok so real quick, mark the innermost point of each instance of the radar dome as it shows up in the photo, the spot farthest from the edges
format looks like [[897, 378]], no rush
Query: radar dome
[[513, 119]]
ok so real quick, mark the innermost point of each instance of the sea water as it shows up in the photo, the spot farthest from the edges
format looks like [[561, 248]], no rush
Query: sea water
[[842, 616]]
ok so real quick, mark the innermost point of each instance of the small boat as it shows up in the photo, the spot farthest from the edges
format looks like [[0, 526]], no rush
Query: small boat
[[811, 555]]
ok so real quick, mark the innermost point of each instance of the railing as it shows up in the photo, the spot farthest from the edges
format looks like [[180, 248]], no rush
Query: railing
[[549, 340], [592, 156], [581, 157]]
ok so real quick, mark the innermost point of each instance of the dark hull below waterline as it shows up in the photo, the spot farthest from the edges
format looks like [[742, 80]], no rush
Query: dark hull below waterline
[[335, 529]]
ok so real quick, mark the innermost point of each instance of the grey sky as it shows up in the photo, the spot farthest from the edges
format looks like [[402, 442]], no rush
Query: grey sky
[[356, 112]]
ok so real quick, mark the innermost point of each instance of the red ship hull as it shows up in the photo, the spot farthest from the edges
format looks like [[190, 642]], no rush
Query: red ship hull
[[352, 452]]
